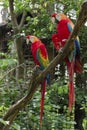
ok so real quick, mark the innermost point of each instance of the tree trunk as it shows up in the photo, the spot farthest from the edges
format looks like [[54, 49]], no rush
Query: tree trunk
[[79, 116], [19, 46], [17, 30]]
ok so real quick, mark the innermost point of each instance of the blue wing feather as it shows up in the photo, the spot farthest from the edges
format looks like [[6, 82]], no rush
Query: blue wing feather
[[43, 63], [39, 59], [77, 43], [69, 27]]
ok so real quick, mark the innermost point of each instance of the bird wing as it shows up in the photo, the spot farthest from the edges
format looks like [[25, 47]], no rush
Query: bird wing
[[56, 41], [42, 57], [77, 43], [70, 26]]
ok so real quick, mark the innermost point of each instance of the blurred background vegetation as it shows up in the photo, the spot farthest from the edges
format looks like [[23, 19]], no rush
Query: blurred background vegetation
[[38, 22]]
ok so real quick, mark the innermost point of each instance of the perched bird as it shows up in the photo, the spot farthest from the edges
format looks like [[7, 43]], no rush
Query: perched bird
[[40, 56], [64, 27]]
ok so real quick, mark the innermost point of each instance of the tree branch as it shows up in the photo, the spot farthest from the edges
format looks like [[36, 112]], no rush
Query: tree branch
[[34, 84], [22, 19], [13, 16]]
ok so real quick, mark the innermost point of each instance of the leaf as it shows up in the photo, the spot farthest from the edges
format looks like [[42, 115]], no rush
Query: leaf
[[4, 122], [16, 126], [4, 63]]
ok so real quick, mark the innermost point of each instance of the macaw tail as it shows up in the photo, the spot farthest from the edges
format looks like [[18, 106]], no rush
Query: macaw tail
[[71, 95], [78, 66], [43, 90], [70, 66]]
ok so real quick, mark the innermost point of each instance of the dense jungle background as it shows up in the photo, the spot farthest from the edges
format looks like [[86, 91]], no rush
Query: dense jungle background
[[16, 66]]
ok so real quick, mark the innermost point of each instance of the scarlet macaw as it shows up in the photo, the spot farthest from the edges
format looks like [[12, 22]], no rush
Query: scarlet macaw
[[40, 56], [64, 28]]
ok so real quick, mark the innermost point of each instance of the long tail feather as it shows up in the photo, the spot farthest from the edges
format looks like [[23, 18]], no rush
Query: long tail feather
[[71, 95], [71, 84], [42, 102], [78, 68]]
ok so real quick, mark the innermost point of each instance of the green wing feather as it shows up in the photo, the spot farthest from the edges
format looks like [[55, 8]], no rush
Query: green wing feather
[[43, 60]]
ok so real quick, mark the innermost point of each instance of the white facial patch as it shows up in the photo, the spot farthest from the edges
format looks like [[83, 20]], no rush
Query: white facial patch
[[58, 17]]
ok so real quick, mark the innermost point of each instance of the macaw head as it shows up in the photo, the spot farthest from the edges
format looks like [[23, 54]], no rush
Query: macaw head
[[31, 39], [58, 17]]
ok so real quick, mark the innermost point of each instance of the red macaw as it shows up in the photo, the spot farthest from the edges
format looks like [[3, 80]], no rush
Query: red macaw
[[40, 56], [64, 28]]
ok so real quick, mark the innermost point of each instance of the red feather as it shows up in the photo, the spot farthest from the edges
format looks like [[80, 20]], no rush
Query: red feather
[[78, 66], [40, 56], [43, 90], [64, 26], [70, 66], [56, 41]]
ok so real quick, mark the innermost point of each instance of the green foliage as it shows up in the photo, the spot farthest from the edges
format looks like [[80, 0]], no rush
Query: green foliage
[[56, 115], [5, 63], [40, 26], [4, 122]]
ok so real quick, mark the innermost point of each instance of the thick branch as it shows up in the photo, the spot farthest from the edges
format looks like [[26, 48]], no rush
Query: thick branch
[[13, 16], [34, 84], [22, 19]]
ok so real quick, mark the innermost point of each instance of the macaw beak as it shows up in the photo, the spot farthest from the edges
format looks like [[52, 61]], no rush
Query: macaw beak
[[27, 39]]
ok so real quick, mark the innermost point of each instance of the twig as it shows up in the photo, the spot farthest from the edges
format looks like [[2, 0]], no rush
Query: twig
[[11, 71]]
